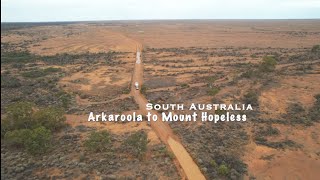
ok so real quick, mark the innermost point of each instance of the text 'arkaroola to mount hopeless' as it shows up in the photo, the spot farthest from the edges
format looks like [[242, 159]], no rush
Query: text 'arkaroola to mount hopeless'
[[208, 112]]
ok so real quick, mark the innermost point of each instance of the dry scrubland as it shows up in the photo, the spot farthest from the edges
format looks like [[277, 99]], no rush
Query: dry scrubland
[[83, 67]]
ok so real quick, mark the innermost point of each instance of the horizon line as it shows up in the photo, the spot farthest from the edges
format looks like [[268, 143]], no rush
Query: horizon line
[[81, 21]]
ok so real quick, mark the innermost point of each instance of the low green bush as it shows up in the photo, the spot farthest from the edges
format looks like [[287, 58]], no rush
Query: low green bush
[[39, 140], [51, 70], [225, 162], [211, 79], [166, 152], [143, 89], [126, 91], [184, 85], [65, 98], [35, 141], [40, 72], [17, 137], [213, 164], [268, 64], [223, 170], [295, 108], [18, 116], [248, 74], [251, 98], [33, 74], [296, 114], [314, 112], [137, 143], [277, 145], [8, 81], [213, 91], [220, 112], [51, 118], [17, 57], [23, 115], [253, 56], [98, 141], [267, 131], [315, 48]]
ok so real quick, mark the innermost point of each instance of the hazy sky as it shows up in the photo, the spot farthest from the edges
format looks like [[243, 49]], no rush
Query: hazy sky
[[81, 10]]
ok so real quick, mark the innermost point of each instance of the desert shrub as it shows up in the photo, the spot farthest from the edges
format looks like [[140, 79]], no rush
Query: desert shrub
[[213, 91], [40, 72], [39, 140], [211, 79], [137, 143], [143, 89], [8, 81], [253, 56], [263, 132], [18, 65], [220, 112], [223, 170], [21, 115], [184, 85], [5, 127], [33, 74], [213, 163], [17, 137], [267, 157], [126, 91], [251, 98], [267, 131], [17, 57], [36, 141], [296, 114], [98, 141], [51, 118], [277, 145], [303, 68], [230, 161], [312, 55], [88, 58], [268, 64], [62, 59], [163, 150], [52, 70], [315, 48], [295, 108], [65, 99], [249, 73], [314, 112], [170, 155]]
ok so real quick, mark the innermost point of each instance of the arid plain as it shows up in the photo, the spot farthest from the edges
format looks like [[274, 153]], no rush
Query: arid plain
[[88, 67]]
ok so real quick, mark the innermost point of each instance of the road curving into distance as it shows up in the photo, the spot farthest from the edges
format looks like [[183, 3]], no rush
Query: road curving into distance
[[188, 168]]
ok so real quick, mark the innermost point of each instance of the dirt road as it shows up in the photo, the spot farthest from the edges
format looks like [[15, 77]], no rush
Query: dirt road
[[163, 130]]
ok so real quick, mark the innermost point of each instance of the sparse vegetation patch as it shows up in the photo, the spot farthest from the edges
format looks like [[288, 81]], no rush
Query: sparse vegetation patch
[[137, 143], [98, 141]]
